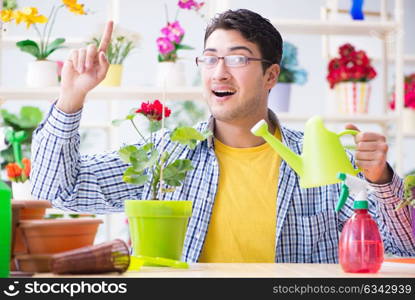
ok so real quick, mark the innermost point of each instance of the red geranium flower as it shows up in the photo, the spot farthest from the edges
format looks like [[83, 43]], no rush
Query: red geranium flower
[[13, 171], [16, 173], [352, 66], [154, 111], [27, 166]]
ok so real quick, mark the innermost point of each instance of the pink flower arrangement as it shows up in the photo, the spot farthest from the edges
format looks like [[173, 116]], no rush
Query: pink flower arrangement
[[173, 33], [409, 93]]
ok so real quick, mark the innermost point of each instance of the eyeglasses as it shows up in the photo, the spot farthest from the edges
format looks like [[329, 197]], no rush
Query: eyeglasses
[[233, 61]]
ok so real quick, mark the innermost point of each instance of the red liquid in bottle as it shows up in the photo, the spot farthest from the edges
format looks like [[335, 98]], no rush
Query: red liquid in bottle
[[360, 246]]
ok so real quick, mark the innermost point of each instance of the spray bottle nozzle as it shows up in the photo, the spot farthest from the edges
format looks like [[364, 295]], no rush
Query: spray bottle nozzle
[[357, 187]]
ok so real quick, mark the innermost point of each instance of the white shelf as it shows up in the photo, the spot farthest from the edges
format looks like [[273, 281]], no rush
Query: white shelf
[[376, 119], [10, 41], [334, 27], [105, 93]]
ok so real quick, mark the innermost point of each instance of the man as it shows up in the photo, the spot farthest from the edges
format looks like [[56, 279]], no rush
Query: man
[[247, 204]]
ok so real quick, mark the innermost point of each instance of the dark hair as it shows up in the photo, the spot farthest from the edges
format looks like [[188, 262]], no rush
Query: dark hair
[[254, 28]]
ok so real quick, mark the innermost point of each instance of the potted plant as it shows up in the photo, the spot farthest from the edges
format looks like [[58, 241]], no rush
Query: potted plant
[[169, 71], [157, 227], [41, 72], [279, 97], [122, 43], [350, 75], [26, 120], [409, 197], [409, 104]]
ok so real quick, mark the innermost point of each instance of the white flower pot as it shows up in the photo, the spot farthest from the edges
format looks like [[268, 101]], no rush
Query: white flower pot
[[22, 191], [170, 74], [42, 73], [353, 97], [279, 97], [408, 125]]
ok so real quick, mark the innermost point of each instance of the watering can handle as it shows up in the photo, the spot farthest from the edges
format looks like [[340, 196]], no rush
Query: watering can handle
[[348, 131], [352, 132]]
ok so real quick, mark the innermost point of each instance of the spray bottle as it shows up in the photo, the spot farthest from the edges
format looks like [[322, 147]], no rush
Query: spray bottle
[[360, 245], [5, 222]]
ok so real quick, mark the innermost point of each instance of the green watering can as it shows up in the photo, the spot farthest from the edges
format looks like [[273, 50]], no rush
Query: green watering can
[[323, 155]]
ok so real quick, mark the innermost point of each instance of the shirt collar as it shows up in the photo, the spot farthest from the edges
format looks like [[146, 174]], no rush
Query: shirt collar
[[271, 115]]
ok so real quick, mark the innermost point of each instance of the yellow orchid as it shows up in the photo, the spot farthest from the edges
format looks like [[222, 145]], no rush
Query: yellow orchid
[[43, 47], [30, 16], [6, 15], [74, 6]]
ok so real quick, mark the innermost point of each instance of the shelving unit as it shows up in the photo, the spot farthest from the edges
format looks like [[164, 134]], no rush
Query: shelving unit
[[104, 93], [325, 27]]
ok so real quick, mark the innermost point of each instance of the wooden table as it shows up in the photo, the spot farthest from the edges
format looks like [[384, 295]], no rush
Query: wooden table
[[256, 270]]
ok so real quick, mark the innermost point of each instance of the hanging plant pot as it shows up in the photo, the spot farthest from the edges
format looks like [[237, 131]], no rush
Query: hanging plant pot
[[170, 74], [42, 73], [353, 97], [114, 76], [279, 97], [158, 228]]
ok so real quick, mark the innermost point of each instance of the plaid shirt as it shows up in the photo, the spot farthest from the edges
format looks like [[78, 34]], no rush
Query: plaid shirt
[[307, 225]]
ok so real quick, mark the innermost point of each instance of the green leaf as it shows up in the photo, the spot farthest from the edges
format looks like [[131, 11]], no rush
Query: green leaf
[[30, 47], [188, 136], [133, 177], [125, 153], [56, 44], [147, 147], [141, 161], [29, 117], [175, 172], [184, 47]]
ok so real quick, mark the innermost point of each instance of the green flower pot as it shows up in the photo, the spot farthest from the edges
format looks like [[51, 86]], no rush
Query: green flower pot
[[158, 228]]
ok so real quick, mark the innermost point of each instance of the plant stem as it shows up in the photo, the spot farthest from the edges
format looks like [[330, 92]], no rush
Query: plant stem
[[53, 23], [177, 14], [166, 12], [138, 131], [171, 152], [41, 40], [47, 23]]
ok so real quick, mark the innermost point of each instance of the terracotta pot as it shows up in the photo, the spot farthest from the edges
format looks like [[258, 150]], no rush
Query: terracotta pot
[[25, 210], [33, 262], [54, 236]]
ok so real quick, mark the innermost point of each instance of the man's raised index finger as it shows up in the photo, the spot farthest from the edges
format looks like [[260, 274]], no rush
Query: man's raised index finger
[[106, 38]]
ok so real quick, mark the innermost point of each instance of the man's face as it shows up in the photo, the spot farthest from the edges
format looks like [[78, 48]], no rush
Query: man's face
[[235, 93]]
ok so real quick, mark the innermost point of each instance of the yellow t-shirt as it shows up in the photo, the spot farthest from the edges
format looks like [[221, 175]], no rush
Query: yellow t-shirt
[[243, 223]]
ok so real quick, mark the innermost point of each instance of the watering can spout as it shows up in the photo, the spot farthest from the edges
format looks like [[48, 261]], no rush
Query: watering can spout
[[293, 160]]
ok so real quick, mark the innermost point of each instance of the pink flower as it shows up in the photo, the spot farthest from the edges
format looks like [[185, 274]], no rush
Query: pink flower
[[187, 4], [165, 46], [173, 31], [409, 93]]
